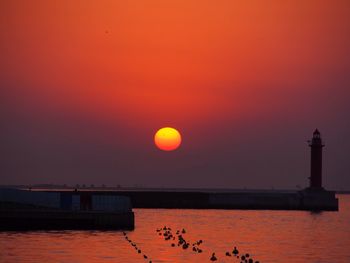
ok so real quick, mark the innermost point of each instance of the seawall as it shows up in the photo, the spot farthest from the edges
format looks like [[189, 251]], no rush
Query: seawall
[[228, 199], [41, 219], [40, 210]]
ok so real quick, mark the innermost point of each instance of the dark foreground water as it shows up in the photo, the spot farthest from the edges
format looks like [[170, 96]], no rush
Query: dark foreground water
[[268, 236]]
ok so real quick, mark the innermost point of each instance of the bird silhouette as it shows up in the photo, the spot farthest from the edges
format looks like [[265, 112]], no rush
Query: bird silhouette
[[235, 251]]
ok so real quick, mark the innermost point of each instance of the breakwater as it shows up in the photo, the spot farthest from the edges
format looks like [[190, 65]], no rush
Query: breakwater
[[307, 199], [35, 210], [41, 219]]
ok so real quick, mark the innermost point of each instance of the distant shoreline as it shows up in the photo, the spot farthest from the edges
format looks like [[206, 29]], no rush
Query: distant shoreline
[[52, 187]]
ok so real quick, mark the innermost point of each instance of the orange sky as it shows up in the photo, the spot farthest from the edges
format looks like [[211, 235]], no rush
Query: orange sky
[[140, 65]]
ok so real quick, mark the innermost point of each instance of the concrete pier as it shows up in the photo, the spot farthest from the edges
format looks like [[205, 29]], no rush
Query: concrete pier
[[36, 210], [274, 200], [40, 219], [319, 200]]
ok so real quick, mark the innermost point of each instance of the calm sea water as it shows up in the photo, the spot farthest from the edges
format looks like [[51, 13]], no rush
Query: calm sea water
[[268, 236]]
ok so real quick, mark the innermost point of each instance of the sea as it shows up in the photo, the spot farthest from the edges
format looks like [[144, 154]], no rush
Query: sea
[[258, 235]]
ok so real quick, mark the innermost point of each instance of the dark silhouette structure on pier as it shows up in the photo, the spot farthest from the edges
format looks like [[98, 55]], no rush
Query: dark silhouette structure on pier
[[315, 197], [316, 161]]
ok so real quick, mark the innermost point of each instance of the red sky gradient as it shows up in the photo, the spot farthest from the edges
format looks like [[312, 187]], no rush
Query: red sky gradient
[[85, 84]]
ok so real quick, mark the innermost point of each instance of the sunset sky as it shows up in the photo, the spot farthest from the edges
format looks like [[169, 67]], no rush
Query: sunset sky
[[84, 85]]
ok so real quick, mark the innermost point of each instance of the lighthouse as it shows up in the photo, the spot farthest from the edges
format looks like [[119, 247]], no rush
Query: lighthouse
[[316, 146], [315, 197]]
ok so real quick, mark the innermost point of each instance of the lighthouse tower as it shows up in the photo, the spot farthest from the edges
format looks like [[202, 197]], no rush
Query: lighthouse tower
[[315, 197], [316, 161]]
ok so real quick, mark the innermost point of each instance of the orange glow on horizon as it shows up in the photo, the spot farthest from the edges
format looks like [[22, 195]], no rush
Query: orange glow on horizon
[[167, 139]]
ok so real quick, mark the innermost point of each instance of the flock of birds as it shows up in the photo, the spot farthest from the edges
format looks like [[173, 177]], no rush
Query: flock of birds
[[166, 232], [134, 245], [177, 239]]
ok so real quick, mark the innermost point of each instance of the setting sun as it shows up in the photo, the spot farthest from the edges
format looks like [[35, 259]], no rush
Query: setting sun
[[167, 139]]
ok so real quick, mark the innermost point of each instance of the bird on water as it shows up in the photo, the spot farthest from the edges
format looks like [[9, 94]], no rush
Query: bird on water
[[235, 251]]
